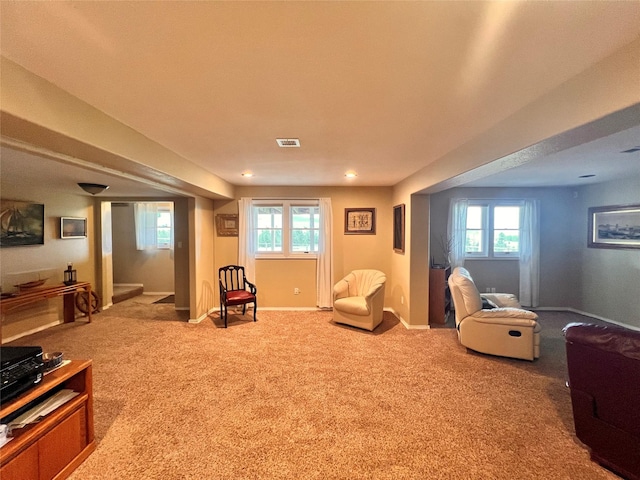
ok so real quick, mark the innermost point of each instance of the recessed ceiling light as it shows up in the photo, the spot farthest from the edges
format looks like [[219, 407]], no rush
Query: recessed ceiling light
[[247, 174], [288, 142], [351, 174], [587, 176]]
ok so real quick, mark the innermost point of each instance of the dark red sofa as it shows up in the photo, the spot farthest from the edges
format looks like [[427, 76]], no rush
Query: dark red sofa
[[604, 379]]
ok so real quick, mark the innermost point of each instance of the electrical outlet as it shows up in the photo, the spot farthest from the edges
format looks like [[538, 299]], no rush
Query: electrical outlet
[[493, 289], [296, 291], [488, 290]]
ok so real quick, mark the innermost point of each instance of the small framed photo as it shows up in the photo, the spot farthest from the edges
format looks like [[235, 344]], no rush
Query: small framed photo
[[615, 226], [360, 221], [73, 227], [227, 225]]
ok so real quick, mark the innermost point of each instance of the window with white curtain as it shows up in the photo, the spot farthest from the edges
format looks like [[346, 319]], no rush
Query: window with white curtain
[[153, 225], [493, 229], [286, 228]]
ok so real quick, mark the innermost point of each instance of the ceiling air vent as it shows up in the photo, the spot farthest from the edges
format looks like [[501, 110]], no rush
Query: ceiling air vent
[[288, 142], [631, 150]]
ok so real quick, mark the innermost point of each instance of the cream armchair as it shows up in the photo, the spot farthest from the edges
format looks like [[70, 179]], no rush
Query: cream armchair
[[358, 299], [505, 330]]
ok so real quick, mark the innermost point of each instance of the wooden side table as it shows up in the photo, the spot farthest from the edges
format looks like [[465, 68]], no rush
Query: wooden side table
[[68, 292]]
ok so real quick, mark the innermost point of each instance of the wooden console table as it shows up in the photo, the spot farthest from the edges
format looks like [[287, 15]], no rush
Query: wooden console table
[[38, 294], [63, 439]]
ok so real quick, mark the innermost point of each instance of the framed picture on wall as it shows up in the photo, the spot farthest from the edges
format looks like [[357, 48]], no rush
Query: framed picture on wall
[[73, 227], [360, 221], [398, 228], [22, 223], [227, 225], [614, 226]]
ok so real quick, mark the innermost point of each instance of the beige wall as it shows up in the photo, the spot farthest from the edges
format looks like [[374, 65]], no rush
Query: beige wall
[[50, 259], [154, 269], [201, 257], [182, 267], [610, 278], [276, 279]]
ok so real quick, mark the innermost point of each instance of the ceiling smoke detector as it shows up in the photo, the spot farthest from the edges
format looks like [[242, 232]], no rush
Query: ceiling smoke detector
[[288, 142]]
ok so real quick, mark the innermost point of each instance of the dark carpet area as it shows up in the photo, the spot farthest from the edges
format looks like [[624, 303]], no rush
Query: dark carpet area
[[167, 299]]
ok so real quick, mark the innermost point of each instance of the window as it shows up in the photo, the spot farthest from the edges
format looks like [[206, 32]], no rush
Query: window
[[493, 230], [286, 228], [163, 227], [153, 225]]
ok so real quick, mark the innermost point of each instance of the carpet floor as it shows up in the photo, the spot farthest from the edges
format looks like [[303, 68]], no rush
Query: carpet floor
[[295, 396]]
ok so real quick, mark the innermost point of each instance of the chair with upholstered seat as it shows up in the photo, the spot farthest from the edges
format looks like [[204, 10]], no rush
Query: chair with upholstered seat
[[235, 289], [502, 329], [358, 299]]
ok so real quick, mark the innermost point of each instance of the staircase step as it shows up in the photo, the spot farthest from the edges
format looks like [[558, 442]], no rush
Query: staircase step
[[120, 294]]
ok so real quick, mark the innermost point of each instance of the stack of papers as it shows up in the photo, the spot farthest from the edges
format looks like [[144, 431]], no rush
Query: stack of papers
[[36, 413]]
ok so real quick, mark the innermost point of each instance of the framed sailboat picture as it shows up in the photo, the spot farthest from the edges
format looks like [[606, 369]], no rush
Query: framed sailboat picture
[[21, 223]]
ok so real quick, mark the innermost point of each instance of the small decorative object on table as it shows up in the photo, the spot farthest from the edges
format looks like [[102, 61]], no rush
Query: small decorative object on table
[[52, 360], [70, 275]]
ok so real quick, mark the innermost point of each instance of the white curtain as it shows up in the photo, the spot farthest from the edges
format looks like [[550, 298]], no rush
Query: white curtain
[[457, 231], [324, 269], [246, 239], [530, 254], [145, 220]]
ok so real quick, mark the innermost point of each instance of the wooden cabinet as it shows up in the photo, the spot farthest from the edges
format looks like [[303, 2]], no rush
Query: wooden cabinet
[[55, 446], [439, 295]]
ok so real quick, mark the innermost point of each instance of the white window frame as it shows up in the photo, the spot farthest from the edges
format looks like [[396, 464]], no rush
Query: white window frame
[[160, 245], [488, 230], [287, 229]]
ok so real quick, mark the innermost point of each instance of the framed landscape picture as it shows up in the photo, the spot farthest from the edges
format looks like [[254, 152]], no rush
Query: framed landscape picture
[[614, 226], [73, 227], [360, 221]]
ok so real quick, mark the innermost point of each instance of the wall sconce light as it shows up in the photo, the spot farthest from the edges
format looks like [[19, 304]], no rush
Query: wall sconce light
[[70, 275], [93, 188]]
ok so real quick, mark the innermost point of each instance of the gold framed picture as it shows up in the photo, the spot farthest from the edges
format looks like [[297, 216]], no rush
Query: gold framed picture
[[227, 225]]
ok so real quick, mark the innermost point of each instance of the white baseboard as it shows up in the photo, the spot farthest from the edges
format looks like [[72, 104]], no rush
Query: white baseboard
[[32, 331], [203, 316], [587, 314], [159, 293]]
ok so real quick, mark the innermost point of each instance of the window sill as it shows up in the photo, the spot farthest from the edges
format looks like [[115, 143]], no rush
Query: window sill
[[467, 259], [301, 257]]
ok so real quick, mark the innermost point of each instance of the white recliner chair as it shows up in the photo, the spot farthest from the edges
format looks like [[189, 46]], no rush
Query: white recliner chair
[[505, 330], [358, 299]]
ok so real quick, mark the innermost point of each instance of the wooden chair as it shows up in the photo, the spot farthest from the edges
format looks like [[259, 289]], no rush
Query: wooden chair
[[235, 289]]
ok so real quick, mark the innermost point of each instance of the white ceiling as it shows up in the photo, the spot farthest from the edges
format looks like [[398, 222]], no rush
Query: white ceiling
[[21, 170], [382, 88]]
